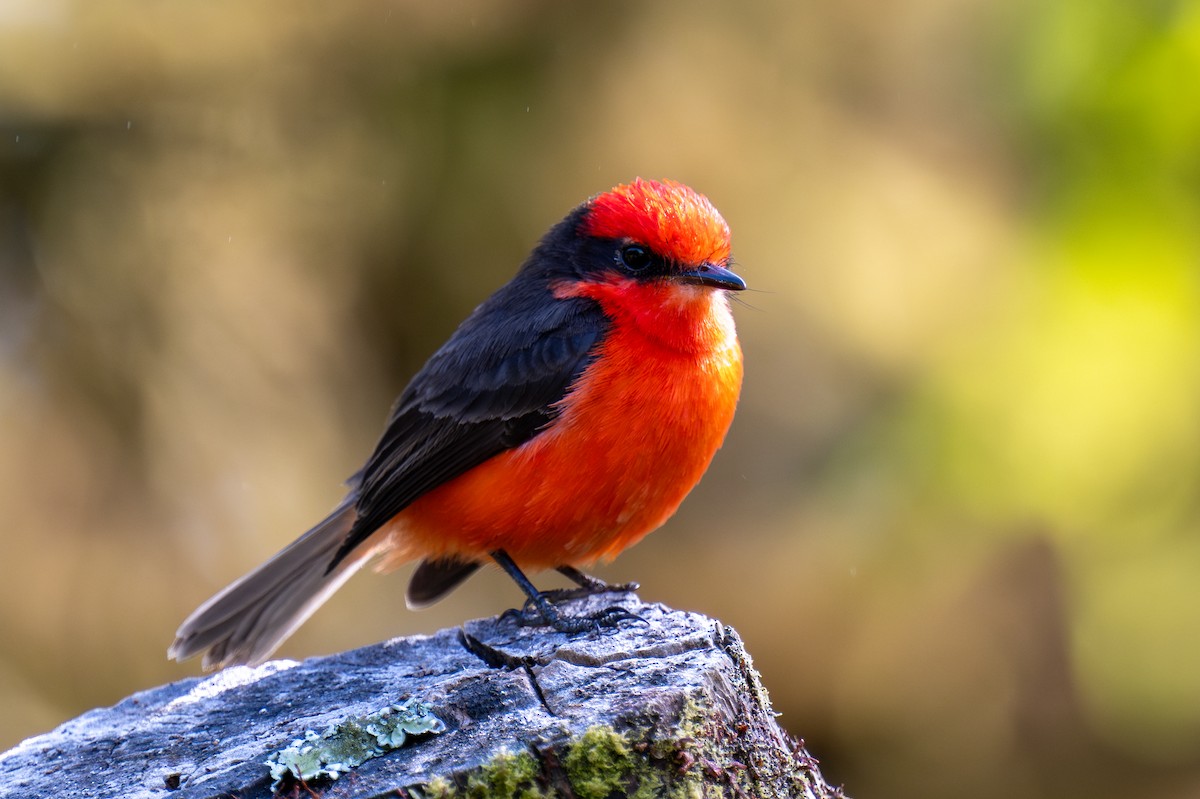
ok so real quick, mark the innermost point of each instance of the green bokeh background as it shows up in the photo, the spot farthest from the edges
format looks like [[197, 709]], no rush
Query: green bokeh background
[[956, 519]]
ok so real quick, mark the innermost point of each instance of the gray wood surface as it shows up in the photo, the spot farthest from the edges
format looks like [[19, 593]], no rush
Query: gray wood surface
[[667, 707]]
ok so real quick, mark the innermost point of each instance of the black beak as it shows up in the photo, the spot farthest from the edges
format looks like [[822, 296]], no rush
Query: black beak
[[713, 276]]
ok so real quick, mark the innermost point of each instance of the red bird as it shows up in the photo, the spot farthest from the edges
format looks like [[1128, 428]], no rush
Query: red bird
[[566, 418]]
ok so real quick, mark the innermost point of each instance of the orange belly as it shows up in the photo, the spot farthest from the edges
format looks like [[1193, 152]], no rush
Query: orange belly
[[632, 438]]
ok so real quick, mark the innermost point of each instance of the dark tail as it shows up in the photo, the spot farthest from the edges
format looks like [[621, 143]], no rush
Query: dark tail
[[248, 620]]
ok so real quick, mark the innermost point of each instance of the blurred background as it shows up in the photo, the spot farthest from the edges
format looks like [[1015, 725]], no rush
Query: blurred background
[[956, 519]]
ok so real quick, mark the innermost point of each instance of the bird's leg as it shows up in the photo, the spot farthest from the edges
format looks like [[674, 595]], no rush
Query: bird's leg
[[609, 617]]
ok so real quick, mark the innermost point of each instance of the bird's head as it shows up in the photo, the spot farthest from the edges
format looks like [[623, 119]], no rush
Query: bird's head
[[654, 250], [659, 231]]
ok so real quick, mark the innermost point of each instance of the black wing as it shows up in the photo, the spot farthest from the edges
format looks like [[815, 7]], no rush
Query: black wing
[[490, 388], [433, 579]]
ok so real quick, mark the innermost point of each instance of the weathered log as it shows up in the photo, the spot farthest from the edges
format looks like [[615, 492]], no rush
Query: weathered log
[[666, 707]]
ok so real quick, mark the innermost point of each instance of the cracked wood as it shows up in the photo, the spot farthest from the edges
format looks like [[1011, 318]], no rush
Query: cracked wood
[[499, 687]]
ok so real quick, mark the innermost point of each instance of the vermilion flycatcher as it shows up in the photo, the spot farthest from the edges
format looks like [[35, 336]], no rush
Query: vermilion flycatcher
[[565, 419]]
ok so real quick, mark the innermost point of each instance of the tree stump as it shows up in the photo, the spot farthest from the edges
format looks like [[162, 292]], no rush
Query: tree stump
[[669, 706]]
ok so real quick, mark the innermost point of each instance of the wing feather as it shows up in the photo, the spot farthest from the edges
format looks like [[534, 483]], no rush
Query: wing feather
[[491, 387]]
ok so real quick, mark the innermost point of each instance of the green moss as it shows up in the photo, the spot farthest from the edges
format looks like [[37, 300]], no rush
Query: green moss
[[598, 763], [437, 788], [603, 762], [505, 776]]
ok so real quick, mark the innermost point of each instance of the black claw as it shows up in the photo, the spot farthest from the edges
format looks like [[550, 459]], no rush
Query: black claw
[[564, 594], [534, 614], [513, 613], [617, 614], [538, 608], [593, 585], [609, 618]]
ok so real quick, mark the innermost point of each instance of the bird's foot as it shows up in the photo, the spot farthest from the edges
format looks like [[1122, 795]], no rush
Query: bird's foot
[[588, 585], [540, 612], [556, 595]]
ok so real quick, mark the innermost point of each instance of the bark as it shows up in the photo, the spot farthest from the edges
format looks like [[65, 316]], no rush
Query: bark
[[667, 707]]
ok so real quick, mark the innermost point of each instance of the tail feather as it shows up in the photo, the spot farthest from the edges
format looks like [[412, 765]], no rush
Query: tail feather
[[249, 619]]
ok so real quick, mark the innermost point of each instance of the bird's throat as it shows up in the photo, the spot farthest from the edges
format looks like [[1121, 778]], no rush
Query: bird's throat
[[690, 319]]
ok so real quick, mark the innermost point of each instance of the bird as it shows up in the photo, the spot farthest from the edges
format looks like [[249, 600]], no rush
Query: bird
[[567, 417]]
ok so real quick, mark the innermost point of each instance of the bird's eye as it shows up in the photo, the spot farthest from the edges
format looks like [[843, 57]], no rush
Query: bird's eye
[[635, 257]]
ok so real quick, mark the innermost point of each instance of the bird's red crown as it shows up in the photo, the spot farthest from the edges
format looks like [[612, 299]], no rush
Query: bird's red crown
[[675, 221]]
